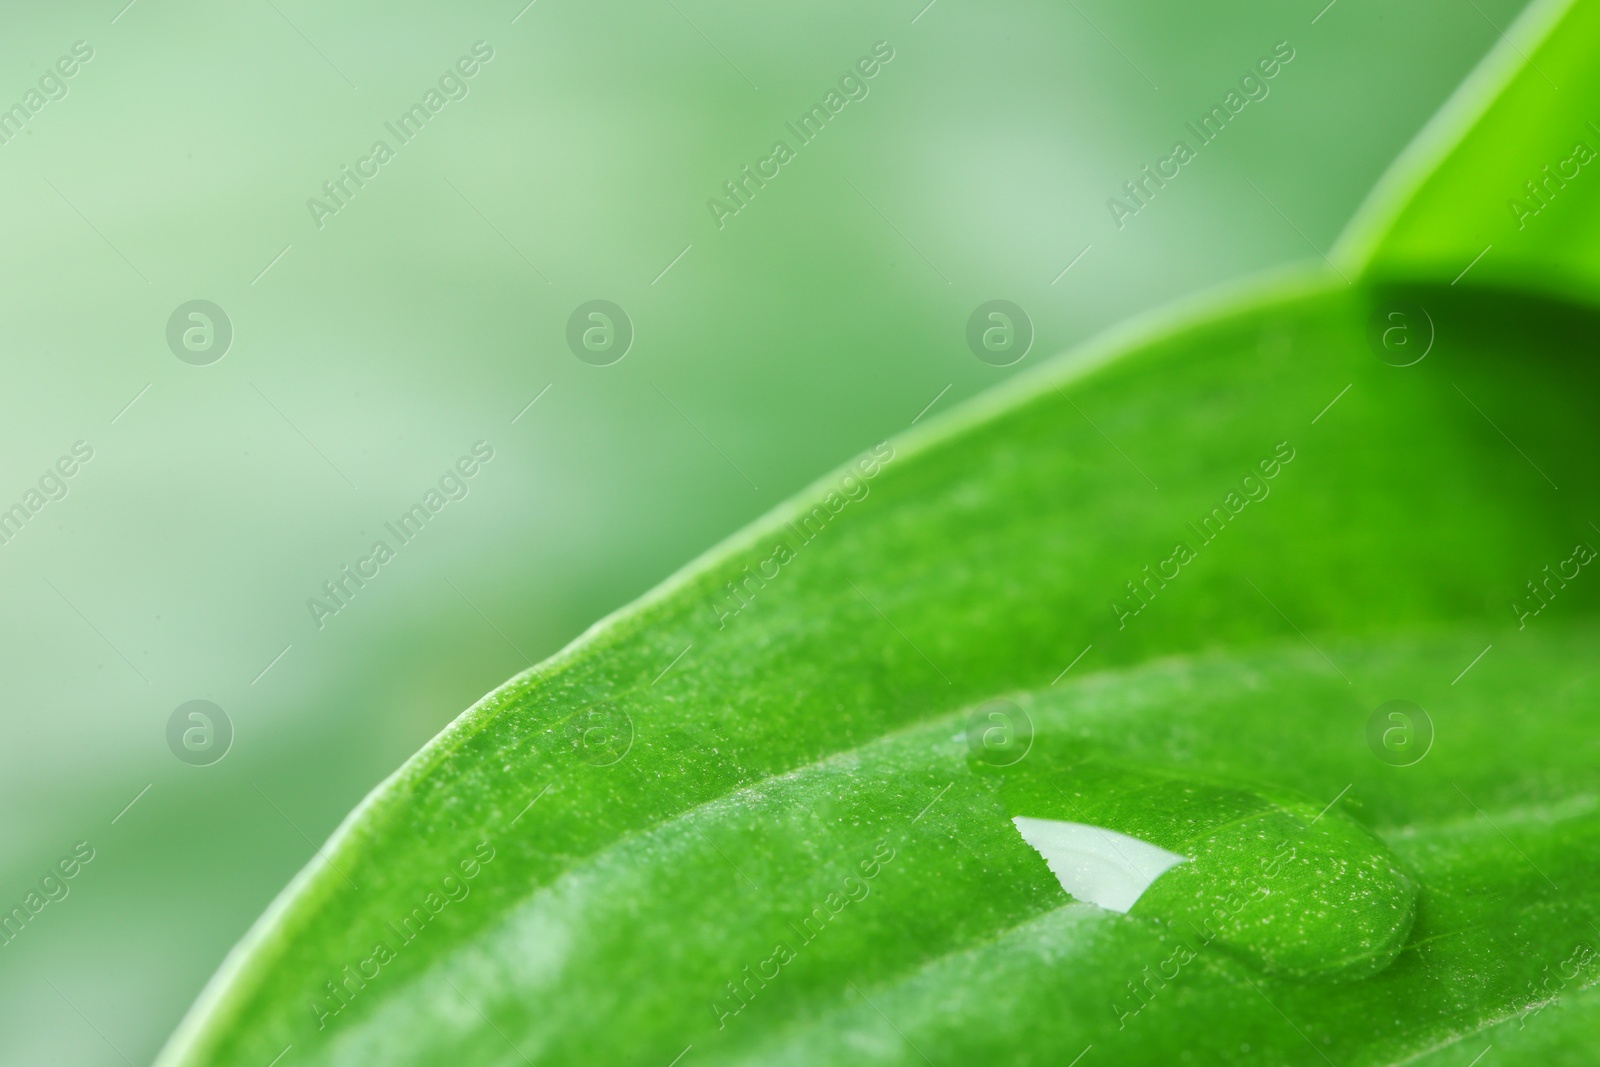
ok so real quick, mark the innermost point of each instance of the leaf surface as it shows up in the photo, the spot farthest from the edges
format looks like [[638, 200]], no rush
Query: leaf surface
[[762, 815], [1503, 188], [628, 830]]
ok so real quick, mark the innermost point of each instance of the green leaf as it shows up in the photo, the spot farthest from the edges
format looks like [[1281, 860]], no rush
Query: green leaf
[[862, 784], [1503, 187], [632, 825]]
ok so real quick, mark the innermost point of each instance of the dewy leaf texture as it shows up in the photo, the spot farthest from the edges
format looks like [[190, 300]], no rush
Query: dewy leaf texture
[[745, 819]]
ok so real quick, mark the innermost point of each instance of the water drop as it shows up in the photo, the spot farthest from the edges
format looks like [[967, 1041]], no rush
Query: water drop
[[1262, 874]]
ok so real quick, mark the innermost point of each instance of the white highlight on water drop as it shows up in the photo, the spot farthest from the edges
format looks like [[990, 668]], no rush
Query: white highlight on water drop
[[1095, 864]]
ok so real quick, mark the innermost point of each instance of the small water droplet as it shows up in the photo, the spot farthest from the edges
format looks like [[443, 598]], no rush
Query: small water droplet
[[1269, 877]]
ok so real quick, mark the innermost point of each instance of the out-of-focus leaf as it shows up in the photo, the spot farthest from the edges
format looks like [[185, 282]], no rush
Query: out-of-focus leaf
[[1503, 187]]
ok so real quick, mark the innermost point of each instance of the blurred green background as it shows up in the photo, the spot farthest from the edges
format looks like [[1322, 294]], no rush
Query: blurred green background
[[372, 352]]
